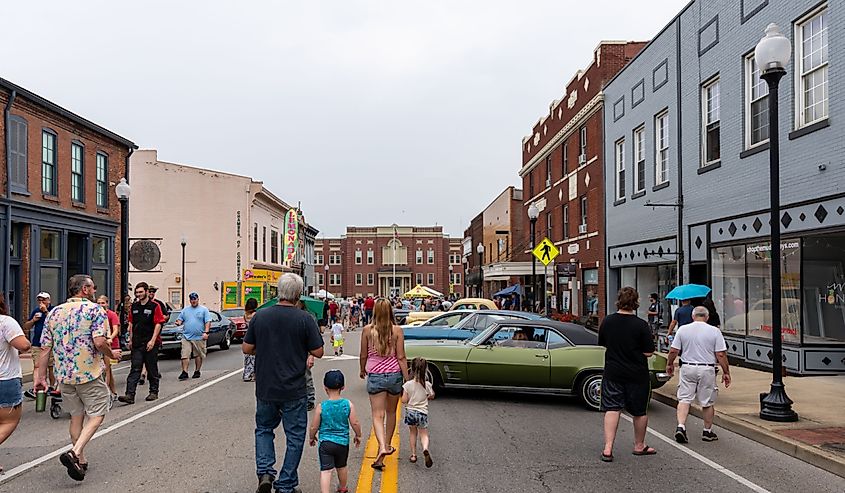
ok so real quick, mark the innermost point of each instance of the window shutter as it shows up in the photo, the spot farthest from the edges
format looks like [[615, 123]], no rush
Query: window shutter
[[18, 154]]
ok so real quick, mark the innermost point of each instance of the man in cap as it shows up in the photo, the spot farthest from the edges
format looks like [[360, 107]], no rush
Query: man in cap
[[197, 322], [35, 325]]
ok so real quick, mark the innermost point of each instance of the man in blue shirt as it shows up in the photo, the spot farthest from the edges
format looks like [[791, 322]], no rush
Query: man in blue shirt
[[683, 316], [197, 322], [35, 325]]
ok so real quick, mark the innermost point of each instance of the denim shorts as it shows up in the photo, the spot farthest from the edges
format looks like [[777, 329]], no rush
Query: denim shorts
[[385, 382], [416, 418], [11, 394]]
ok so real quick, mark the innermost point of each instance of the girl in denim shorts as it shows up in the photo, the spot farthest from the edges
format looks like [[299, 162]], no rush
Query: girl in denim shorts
[[417, 393], [12, 341]]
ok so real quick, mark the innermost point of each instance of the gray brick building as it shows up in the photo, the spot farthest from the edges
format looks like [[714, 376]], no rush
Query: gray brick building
[[686, 174]]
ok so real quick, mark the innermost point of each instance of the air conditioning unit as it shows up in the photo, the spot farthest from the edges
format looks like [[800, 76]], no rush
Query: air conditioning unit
[[582, 229], [582, 159]]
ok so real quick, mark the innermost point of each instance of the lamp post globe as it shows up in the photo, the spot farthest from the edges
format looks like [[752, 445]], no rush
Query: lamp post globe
[[533, 214], [772, 55]]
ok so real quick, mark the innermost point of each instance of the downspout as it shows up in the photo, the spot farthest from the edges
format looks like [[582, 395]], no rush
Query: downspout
[[7, 250], [680, 245]]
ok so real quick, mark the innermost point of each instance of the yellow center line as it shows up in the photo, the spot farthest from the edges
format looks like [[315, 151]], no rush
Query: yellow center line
[[390, 474]]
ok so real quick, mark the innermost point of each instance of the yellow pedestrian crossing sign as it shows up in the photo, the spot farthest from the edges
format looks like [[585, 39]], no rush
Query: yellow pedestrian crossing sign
[[545, 251]]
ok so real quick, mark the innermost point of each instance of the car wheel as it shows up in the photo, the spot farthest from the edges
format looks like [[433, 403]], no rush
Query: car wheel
[[590, 391], [227, 340], [432, 375]]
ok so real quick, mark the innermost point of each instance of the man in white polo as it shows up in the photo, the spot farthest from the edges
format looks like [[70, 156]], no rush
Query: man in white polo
[[703, 347]]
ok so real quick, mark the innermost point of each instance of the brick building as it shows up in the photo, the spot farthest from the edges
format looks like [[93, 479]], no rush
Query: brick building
[[59, 214], [363, 261], [562, 175]]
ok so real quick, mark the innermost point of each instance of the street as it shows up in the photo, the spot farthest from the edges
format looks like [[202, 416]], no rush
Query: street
[[199, 438]]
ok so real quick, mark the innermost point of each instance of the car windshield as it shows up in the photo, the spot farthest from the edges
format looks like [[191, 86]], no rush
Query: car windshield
[[173, 316], [233, 312]]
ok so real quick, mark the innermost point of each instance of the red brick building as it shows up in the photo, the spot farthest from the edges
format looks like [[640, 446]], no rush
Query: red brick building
[[381, 260], [59, 214], [562, 175]]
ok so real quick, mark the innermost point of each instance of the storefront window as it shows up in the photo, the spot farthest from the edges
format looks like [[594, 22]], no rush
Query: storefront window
[[49, 282], [99, 277], [758, 273], [49, 245], [99, 250], [15, 249], [824, 288], [729, 287], [591, 292]]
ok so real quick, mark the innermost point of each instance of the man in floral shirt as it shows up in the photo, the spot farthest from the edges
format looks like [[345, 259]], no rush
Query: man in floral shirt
[[76, 333]]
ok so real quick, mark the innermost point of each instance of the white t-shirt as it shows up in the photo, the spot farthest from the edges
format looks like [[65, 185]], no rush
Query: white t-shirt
[[417, 395], [699, 342], [10, 363], [337, 331]]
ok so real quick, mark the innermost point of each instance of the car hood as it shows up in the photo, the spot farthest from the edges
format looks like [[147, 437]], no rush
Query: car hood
[[171, 329]]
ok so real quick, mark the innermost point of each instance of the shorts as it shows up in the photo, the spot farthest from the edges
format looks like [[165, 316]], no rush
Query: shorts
[[195, 348], [35, 351], [416, 418], [697, 383], [338, 342], [11, 393], [385, 382], [630, 396], [332, 455], [91, 398]]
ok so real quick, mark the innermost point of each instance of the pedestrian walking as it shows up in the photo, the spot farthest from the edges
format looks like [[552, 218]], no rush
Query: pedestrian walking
[[309, 364], [145, 319], [714, 319], [417, 393], [655, 316], [333, 309], [196, 320], [626, 381], [281, 336], [704, 347], [35, 326], [123, 310], [385, 368], [355, 311], [12, 342], [369, 304], [76, 332], [683, 316], [337, 338], [249, 359], [114, 342], [330, 426]]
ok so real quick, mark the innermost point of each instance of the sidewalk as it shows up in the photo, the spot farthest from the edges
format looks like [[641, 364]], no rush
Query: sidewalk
[[819, 435]]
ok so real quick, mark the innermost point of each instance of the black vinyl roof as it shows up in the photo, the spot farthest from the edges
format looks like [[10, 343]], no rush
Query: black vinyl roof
[[577, 334]]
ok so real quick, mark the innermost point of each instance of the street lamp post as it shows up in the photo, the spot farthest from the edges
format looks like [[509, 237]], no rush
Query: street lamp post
[[466, 277], [772, 55], [184, 244], [480, 250], [451, 284], [533, 214], [326, 280], [304, 277], [123, 190]]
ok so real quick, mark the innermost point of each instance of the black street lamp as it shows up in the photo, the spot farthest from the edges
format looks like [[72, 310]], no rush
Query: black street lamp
[[533, 214], [480, 250], [326, 281], [772, 55], [123, 190], [184, 244]]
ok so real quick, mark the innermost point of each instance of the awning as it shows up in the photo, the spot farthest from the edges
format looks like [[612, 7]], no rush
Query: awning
[[418, 292], [515, 289]]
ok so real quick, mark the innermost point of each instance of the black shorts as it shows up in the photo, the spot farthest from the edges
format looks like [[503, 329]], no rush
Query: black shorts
[[333, 455], [630, 396]]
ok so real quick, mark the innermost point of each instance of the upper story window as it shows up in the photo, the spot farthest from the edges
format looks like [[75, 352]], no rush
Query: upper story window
[[756, 105], [582, 145], [77, 172], [710, 122], [334, 259], [263, 244], [584, 211], [549, 224], [430, 279], [661, 148], [359, 279], [48, 163], [371, 257], [359, 257], [255, 241], [419, 257], [548, 170], [531, 183], [102, 180], [620, 169], [811, 46], [639, 160], [565, 159], [566, 222], [430, 256], [274, 247], [319, 259], [18, 153]]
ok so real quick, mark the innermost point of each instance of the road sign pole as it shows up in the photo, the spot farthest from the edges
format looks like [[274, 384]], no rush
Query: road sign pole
[[546, 289]]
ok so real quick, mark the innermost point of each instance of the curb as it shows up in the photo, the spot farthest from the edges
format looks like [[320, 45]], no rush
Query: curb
[[807, 453]]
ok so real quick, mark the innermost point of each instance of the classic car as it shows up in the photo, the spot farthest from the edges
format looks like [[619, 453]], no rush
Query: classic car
[[461, 304], [220, 334], [468, 327], [236, 315], [534, 356], [446, 319]]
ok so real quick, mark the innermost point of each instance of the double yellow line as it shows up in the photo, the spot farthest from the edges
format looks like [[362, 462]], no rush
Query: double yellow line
[[390, 473]]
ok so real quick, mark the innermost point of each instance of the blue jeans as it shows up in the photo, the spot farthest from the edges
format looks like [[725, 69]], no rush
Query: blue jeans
[[294, 419]]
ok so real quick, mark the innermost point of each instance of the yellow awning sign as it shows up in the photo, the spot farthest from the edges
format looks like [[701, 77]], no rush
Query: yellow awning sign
[[545, 251]]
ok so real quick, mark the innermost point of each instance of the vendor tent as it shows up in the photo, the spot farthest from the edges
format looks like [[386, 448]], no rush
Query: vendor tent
[[515, 289], [418, 292], [312, 305]]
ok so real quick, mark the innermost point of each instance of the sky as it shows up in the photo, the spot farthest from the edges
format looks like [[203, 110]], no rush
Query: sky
[[365, 112]]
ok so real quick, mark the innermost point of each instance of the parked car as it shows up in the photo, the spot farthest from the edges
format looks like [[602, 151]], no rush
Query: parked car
[[461, 304], [236, 315], [220, 333], [477, 321], [533, 356], [444, 319]]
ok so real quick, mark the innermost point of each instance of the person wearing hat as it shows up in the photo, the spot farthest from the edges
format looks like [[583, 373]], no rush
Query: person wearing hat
[[35, 325], [197, 322]]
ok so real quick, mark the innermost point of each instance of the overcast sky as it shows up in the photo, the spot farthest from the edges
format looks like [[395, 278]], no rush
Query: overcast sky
[[368, 112]]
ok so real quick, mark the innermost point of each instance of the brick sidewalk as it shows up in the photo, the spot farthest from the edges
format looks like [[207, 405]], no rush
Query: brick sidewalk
[[818, 437]]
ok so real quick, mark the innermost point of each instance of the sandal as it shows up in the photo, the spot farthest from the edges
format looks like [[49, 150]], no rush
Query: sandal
[[71, 462], [413, 458], [392, 451], [606, 458], [379, 463], [428, 461], [645, 451]]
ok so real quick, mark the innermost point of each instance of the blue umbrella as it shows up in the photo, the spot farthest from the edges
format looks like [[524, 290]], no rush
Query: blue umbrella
[[688, 292]]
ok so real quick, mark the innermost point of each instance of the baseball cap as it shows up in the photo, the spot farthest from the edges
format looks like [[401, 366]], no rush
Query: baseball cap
[[333, 379], [193, 296], [153, 289], [43, 294]]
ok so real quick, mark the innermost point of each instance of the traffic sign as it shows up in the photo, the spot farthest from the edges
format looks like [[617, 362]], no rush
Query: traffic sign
[[545, 251]]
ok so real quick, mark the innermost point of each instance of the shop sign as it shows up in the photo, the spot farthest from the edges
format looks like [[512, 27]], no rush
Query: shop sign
[[573, 248], [291, 232], [230, 295], [569, 269], [253, 290], [261, 275], [591, 276]]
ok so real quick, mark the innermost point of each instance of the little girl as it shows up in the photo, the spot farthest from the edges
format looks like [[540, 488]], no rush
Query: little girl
[[417, 393], [337, 337]]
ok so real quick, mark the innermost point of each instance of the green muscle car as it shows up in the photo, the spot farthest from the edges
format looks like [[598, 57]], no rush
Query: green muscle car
[[538, 356]]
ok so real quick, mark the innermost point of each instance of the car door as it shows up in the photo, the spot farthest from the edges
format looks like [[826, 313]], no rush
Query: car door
[[566, 361], [217, 331], [506, 360]]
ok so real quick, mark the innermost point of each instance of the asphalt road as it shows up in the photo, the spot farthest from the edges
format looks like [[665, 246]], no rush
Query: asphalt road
[[199, 438]]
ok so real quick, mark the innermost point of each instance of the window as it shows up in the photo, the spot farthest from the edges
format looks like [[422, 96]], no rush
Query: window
[[48, 163], [419, 256], [18, 153], [102, 180], [359, 279], [274, 246], [710, 123], [661, 148], [255, 241], [263, 243], [454, 258], [582, 144], [549, 170], [620, 169], [729, 287], [566, 222], [49, 245], [430, 256], [556, 340], [531, 183], [334, 279], [99, 250], [49, 281], [371, 257], [359, 257], [549, 224], [565, 151], [371, 279], [457, 278], [584, 210], [321, 280], [318, 259], [639, 160], [334, 259], [758, 308], [430, 279], [756, 105], [419, 278], [812, 65], [77, 175]]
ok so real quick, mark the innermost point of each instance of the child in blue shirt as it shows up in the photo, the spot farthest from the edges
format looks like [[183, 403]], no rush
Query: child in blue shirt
[[332, 419]]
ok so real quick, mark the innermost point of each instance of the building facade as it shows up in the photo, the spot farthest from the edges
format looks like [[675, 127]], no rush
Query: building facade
[[562, 175], [60, 215], [701, 214]]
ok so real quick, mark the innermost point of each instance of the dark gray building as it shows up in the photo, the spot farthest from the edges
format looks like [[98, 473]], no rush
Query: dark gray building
[[686, 140]]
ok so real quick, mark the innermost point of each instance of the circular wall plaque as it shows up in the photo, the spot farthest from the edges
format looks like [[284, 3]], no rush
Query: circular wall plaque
[[144, 255]]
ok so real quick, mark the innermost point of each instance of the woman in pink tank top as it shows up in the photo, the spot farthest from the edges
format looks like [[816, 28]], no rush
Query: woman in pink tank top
[[385, 367]]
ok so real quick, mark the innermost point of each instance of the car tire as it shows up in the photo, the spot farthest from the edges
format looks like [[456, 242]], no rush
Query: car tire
[[432, 375], [589, 390], [227, 340]]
